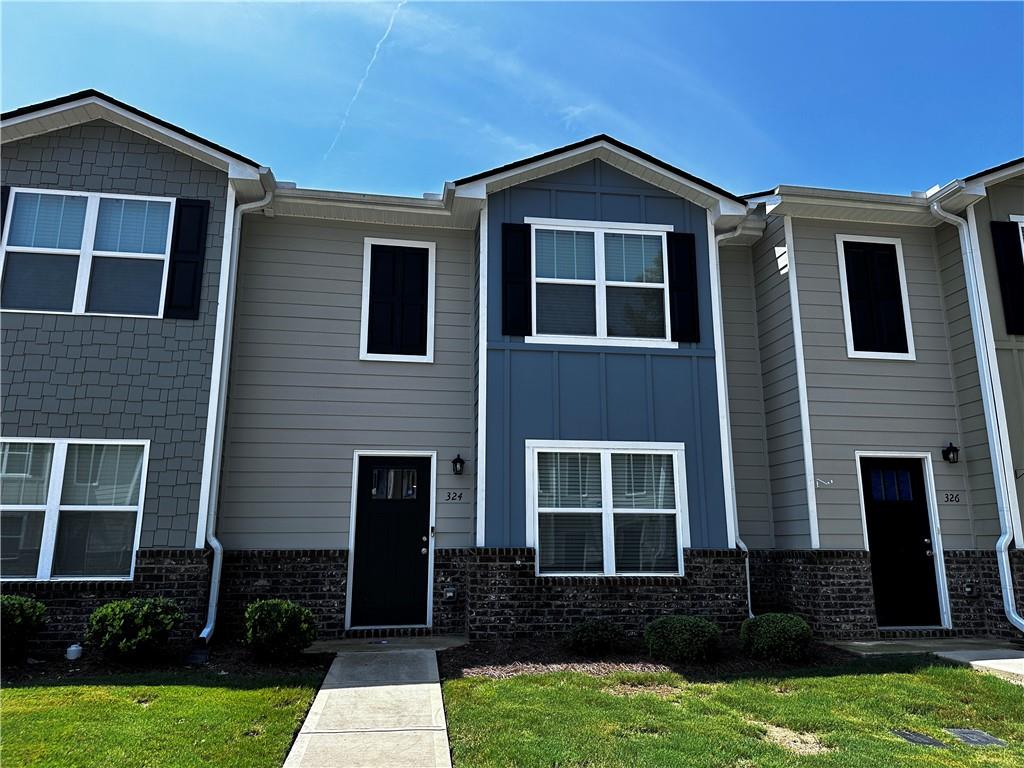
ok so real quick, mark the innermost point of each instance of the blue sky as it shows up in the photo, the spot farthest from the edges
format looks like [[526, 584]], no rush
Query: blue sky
[[866, 96]]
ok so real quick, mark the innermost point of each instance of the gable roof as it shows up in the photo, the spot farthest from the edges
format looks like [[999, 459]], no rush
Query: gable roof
[[90, 104]]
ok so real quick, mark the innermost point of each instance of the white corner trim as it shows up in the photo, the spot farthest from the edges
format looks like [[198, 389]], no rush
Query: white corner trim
[[801, 380], [992, 401], [933, 518], [911, 353], [356, 455], [724, 420], [218, 377], [606, 448], [364, 311], [481, 405]]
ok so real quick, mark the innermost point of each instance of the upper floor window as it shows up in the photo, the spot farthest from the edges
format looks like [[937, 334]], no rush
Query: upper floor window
[[876, 309], [83, 253], [1008, 247], [70, 508], [398, 301], [607, 509]]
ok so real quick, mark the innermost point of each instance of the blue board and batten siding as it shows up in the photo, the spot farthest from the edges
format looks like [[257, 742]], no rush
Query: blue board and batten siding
[[580, 392]]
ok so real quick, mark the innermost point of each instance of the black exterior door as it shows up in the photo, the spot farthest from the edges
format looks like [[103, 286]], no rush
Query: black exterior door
[[391, 556], [900, 538]]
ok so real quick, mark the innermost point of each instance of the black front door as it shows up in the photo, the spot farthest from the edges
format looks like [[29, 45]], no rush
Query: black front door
[[391, 556], [900, 538]]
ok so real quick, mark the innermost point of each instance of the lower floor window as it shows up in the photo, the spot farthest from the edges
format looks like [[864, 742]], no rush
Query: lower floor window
[[608, 510], [70, 508]]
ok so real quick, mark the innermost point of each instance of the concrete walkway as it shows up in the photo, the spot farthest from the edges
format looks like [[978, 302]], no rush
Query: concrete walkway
[[999, 657], [376, 709]]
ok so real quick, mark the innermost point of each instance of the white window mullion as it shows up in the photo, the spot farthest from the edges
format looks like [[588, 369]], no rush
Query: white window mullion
[[664, 276], [85, 262], [599, 293], [48, 538], [607, 520]]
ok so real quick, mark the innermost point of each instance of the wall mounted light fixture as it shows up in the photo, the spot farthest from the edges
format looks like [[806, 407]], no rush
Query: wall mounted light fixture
[[458, 464], [951, 454]]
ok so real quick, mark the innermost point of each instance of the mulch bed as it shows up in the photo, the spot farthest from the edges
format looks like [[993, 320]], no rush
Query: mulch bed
[[499, 660], [224, 660]]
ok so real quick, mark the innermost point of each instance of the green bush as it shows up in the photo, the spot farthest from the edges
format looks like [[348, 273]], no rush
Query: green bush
[[278, 628], [21, 619], [135, 629], [776, 637], [682, 639], [596, 637]]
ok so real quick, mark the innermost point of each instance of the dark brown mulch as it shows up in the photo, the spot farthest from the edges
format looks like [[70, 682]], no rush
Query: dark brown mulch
[[224, 660], [534, 657]]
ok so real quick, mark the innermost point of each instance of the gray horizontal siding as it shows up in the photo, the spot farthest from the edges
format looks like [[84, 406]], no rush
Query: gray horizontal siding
[[783, 436], [877, 405], [302, 401], [746, 402]]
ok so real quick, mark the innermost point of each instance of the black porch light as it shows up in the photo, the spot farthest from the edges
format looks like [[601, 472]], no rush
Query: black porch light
[[458, 464], [951, 454]]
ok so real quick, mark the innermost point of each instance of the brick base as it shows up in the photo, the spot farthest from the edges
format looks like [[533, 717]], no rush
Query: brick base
[[180, 574], [832, 589]]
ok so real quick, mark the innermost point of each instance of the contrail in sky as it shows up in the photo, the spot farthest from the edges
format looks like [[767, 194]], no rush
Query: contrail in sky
[[366, 74]]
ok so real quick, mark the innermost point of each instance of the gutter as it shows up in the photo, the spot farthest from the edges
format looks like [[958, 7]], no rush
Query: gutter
[[984, 344], [719, 239], [218, 397]]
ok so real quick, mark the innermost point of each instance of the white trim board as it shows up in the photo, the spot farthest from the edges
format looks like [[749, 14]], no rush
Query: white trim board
[[933, 518], [53, 506], [606, 448], [481, 404], [356, 455], [364, 311], [801, 379], [851, 351]]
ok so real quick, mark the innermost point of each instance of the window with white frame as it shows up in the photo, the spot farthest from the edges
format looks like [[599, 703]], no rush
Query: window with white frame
[[84, 253], [70, 508], [876, 306], [601, 282], [606, 510]]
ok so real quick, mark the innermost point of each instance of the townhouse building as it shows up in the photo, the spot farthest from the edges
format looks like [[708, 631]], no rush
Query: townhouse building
[[584, 384]]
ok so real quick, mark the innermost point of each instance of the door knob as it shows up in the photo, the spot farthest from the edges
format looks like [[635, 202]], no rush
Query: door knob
[[423, 551], [425, 538], [927, 541], [928, 552]]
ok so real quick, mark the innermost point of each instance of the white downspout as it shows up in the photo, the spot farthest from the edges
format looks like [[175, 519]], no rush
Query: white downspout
[[719, 239], [982, 333], [225, 324]]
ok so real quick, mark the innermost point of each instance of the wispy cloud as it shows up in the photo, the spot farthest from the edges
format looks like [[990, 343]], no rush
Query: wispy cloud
[[366, 74]]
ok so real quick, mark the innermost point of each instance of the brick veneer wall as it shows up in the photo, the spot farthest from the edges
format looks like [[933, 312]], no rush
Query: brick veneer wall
[[119, 377], [180, 574], [975, 592], [315, 578]]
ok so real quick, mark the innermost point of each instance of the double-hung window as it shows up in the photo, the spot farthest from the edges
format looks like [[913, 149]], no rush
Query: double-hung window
[[70, 508], [876, 308], [85, 253], [607, 509], [604, 283], [397, 321]]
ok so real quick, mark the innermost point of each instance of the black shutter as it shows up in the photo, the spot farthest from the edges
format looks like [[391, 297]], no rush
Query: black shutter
[[875, 296], [5, 196], [399, 289], [1010, 267], [188, 252], [682, 287], [516, 293]]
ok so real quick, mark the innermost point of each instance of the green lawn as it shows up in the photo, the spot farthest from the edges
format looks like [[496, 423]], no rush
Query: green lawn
[[838, 717], [158, 720]]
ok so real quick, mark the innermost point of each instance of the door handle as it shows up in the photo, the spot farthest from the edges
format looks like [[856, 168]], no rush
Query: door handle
[[423, 551], [928, 552], [927, 541]]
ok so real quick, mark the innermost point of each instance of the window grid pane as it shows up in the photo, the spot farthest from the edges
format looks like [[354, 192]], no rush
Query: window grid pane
[[570, 310], [20, 534], [645, 543], [47, 221], [41, 281], [571, 543], [25, 473], [94, 543], [132, 226], [125, 286], [633, 258], [643, 481], [565, 255], [636, 312], [102, 475]]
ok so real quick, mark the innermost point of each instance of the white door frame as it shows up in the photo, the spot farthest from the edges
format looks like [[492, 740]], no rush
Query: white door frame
[[432, 455], [933, 519]]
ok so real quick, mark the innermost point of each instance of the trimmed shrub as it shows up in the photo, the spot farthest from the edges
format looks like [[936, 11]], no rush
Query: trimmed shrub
[[682, 639], [21, 620], [776, 637], [278, 628], [135, 629], [596, 637]]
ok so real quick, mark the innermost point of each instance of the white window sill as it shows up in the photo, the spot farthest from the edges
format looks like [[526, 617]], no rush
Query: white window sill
[[855, 355], [33, 580], [592, 575], [396, 358], [595, 341], [76, 314]]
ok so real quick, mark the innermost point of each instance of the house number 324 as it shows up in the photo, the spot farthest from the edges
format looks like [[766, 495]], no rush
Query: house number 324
[[453, 496], [953, 497]]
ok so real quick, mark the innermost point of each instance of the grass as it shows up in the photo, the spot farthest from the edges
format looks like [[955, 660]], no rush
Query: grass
[[165, 720], [839, 717]]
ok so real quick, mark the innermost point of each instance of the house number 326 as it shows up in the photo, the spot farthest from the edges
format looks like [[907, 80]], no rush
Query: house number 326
[[953, 497], [453, 496]]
